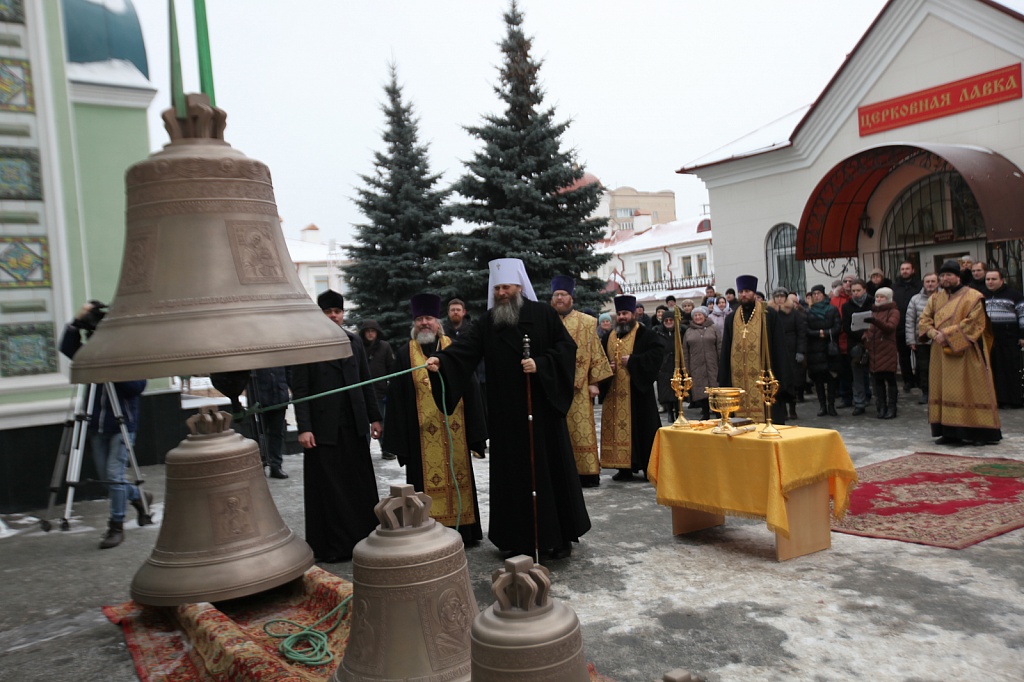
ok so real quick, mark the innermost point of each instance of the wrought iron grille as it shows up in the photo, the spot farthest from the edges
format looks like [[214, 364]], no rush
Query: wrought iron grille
[[780, 260], [937, 208]]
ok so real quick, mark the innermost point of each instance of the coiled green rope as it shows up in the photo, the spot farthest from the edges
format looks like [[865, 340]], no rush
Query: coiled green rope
[[308, 645]]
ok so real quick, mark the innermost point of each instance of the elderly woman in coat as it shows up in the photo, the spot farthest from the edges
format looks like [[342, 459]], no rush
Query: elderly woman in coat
[[702, 346], [880, 343]]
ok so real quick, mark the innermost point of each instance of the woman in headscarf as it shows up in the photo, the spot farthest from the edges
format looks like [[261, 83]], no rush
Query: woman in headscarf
[[702, 346], [666, 396], [719, 312]]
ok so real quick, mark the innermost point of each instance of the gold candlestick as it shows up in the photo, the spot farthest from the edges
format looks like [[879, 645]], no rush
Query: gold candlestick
[[681, 381], [767, 384]]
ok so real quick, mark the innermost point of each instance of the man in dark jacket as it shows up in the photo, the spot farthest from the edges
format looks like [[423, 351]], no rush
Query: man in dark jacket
[[860, 302], [906, 286], [381, 360], [340, 487], [1005, 309], [109, 450], [271, 385]]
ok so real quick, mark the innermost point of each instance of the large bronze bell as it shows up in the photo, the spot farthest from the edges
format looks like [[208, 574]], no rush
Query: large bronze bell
[[221, 536], [206, 281], [527, 635], [412, 602]]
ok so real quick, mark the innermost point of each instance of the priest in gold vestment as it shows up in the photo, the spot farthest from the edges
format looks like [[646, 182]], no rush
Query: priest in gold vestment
[[742, 360], [416, 432], [629, 417], [961, 395], [591, 368]]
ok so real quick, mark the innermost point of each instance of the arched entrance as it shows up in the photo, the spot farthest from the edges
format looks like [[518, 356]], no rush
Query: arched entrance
[[959, 200]]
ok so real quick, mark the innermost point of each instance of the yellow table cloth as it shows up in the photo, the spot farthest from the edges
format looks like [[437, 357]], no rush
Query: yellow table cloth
[[746, 475]]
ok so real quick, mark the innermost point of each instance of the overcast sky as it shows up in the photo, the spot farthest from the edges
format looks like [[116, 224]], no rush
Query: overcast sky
[[649, 85]]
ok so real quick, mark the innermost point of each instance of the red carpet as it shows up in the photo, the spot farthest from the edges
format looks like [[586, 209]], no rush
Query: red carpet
[[226, 643], [939, 500]]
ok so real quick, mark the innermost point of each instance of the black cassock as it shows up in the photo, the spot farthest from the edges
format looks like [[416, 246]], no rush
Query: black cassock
[[562, 513], [782, 367], [402, 433], [339, 484]]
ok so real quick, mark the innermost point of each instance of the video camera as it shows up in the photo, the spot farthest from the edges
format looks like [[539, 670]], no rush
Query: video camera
[[89, 321]]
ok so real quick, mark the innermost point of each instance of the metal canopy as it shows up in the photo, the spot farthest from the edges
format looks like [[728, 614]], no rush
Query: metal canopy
[[830, 224]]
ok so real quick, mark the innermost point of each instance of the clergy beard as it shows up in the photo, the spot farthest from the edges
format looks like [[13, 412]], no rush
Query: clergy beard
[[426, 338], [506, 313], [624, 328]]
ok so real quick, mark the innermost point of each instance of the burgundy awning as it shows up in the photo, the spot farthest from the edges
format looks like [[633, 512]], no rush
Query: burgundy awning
[[830, 223]]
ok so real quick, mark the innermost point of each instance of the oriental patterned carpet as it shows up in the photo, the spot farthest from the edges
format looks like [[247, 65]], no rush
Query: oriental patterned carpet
[[939, 500], [227, 643]]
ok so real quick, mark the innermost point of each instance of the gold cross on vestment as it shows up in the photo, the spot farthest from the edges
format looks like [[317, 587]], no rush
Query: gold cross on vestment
[[744, 332]]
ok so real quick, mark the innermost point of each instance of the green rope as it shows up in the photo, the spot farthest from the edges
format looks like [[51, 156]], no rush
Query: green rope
[[308, 645], [257, 409]]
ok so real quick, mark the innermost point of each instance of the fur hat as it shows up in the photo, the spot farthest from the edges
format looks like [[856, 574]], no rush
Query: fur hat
[[330, 299]]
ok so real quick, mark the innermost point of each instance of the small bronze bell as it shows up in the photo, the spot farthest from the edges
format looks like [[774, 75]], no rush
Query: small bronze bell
[[527, 635], [221, 536], [412, 602]]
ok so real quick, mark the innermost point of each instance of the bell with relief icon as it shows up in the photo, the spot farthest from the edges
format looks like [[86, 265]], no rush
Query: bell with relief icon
[[221, 535], [525, 634], [206, 281], [412, 602]]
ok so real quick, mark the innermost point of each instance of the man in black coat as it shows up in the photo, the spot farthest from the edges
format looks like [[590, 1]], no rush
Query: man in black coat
[[741, 364], [339, 485], [514, 414], [629, 418], [381, 359], [906, 286], [417, 432]]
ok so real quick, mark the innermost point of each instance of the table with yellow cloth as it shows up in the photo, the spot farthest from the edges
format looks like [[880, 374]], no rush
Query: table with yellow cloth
[[785, 481]]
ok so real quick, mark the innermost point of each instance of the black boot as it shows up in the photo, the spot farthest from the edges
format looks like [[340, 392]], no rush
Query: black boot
[[822, 408], [890, 409], [144, 518], [880, 398], [114, 535], [792, 410], [832, 390]]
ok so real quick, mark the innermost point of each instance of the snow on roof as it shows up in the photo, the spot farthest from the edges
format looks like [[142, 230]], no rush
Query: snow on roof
[[774, 135], [660, 236], [779, 133], [118, 72], [307, 252]]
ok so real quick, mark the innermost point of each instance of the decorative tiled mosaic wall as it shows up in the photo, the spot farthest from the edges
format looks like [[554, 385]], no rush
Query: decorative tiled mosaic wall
[[24, 262], [13, 11], [19, 174], [27, 349], [15, 85]]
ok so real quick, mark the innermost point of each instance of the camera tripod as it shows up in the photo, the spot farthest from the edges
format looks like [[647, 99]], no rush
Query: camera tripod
[[68, 467]]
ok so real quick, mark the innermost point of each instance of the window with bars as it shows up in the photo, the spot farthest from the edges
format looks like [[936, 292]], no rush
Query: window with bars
[[780, 258]]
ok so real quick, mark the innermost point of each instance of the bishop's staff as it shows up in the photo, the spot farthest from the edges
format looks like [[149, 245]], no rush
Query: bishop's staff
[[767, 384], [533, 463], [681, 380]]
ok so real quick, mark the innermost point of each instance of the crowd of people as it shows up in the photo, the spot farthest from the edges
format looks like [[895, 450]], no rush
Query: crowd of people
[[957, 336]]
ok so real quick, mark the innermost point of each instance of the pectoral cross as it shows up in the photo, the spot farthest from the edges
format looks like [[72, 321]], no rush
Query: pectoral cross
[[744, 332]]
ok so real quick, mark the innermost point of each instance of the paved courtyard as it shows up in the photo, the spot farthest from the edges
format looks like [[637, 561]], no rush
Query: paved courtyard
[[716, 602]]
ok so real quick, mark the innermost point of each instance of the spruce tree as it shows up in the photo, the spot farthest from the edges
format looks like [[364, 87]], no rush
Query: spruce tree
[[522, 190], [397, 250]]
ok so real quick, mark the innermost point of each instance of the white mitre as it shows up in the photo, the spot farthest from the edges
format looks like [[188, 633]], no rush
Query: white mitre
[[508, 271]]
